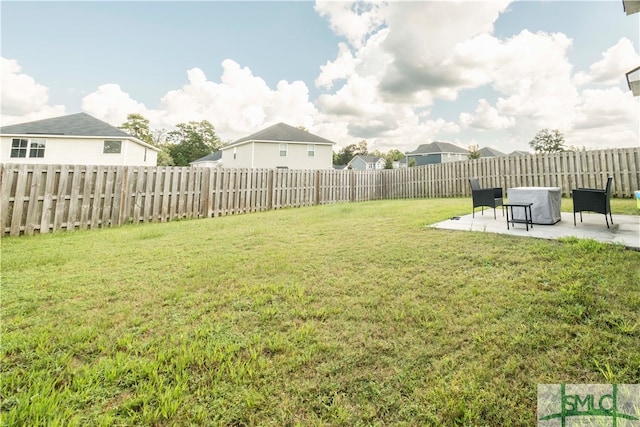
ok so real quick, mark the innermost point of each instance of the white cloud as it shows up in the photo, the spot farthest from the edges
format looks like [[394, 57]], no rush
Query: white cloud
[[486, 118], [615, 62], [237, 105], [354, 20], [111, 104], [605, 118], [422, 39], [356, 98], [23, 99], [533, 73], [341, 68]]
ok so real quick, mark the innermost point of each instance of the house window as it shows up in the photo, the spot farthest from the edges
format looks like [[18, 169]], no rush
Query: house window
[[283, 150], [234, 154], [37, 147], [19, 147], [311, 150], [112, 147]]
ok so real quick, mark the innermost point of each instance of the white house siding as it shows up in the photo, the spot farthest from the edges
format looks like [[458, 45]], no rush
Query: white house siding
[[358, 164], [267, 155], [85, 151], [237, 157]]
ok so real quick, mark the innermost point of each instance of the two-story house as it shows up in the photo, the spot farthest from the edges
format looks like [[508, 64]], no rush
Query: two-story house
[[279, 146]]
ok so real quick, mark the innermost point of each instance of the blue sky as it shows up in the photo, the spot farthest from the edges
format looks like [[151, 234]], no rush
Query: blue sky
[[397, 75], [148, 46]]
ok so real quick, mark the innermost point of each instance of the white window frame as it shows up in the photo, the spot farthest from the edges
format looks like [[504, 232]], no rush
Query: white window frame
[[33, 148], [311, 150], [37, 147], [283, 149], [19, 148]]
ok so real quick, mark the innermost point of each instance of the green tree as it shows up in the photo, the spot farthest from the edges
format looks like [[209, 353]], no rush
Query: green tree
[[138, 126], [361, 149], [192, 140], [340, 156], [474, 152], [395, 155], [345, 155], [548, 141]]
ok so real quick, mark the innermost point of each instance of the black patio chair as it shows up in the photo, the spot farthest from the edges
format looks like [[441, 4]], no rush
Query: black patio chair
[[490, 197], [593, 200]]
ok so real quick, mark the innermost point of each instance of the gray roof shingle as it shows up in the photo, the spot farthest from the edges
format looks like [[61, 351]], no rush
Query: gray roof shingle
[[216, 155], [368, 158], [438, 147], [491, 152], [80, 124], [282, 132]]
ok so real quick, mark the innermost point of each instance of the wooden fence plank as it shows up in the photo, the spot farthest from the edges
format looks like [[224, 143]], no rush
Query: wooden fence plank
[[61, 213], [98, 195], [6, 181], [48, 199], [34, 210], [19, 200]]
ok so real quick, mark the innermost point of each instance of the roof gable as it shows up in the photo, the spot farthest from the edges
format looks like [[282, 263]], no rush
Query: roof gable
[[438, 147], [80, 124], [282, 132], [367, 158], [491, 152]]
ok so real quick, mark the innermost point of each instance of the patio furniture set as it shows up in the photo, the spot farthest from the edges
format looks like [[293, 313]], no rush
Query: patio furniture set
[[540, 205]]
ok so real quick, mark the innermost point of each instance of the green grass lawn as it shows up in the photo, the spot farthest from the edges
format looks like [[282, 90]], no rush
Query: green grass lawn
[[346, 314]]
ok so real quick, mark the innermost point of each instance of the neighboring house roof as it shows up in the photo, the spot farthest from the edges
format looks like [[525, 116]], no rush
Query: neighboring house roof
[[339, 167], [491, 152], [367, 158], [76, 125], [438, 147], [519, 153], [213, 157], [281, 132]]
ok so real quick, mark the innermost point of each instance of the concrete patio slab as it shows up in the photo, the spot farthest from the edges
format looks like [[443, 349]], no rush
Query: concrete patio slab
[[624, 231]]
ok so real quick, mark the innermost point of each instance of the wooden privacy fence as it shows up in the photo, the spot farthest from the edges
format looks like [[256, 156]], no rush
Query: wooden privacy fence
[[45, 198]]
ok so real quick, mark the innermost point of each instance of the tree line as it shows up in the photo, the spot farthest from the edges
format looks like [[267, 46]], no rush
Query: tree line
[[188, 142], [192, 140]]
